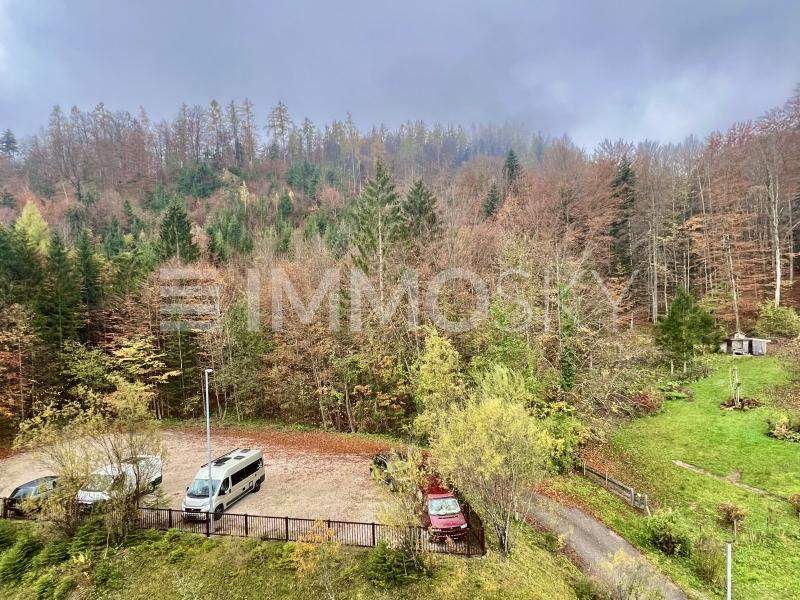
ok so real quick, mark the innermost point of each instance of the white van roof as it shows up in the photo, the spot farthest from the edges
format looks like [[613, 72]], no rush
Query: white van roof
[[228, 462]]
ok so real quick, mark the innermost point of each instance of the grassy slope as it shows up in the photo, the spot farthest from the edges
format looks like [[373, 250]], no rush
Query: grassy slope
[[179, 566], [767, 553]]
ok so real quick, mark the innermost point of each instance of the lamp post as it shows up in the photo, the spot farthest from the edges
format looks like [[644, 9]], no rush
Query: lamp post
[[208, 448]]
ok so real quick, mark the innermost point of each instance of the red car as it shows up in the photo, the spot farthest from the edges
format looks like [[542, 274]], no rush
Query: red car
[[443, 516]]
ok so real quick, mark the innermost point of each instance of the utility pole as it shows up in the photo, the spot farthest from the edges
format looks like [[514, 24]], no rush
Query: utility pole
[[208, 448]]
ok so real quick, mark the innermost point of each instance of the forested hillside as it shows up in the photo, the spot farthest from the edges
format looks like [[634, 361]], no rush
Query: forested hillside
[[576, 248]]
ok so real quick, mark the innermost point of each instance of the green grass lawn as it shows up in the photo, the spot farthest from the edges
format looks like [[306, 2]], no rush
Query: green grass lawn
[[767, 552], [182, 566]]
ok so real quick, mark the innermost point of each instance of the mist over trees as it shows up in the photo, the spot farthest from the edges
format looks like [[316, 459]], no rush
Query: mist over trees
[[94, 203]]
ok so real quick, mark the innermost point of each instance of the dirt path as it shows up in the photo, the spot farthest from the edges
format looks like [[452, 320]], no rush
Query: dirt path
[[319, 475], [597, 548]]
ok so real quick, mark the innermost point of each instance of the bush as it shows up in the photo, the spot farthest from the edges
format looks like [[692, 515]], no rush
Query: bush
[[667, 532], [708, 560], [52, 553], [388, 566], [794, 501], [89, 536], [785, 427], [731, 514], [8, 535], [107, 576], [568, 435], [199, 181], [18, 558], [777, 321], [64, 588], [44, 586]]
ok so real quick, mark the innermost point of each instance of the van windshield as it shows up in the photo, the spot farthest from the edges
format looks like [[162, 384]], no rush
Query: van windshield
[[199, 488]]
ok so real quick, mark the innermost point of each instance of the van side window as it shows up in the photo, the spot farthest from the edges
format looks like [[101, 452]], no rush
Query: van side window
[[238, 476]]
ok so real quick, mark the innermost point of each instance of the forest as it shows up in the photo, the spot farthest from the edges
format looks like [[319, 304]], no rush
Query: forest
[[581, 250]]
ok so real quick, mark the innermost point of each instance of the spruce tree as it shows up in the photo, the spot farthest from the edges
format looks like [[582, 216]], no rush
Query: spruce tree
[[687, 329], [20, 269], [32, 225], [59, 302], [418, 212], [511, 169], [623, 189], [113, 243], [492, 202], [176, 235], [8, 144], [89, 269], [377, 225]]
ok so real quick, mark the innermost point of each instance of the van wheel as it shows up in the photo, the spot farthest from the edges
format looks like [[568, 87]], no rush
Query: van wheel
[[218, 512], [256, 487]]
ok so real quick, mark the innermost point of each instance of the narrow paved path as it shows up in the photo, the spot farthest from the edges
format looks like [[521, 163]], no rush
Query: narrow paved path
[[599, 549]]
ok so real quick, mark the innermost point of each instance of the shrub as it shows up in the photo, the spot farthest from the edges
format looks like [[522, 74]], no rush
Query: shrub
[[778, 321], [731, 514], [64, 588], [18, 558], [389, 566], [44, 586], [107, 576], [794, 501], [568, 435], [785, 427], [52, 553], [708, 560], [8, 535], [89, 536], [668, 533]]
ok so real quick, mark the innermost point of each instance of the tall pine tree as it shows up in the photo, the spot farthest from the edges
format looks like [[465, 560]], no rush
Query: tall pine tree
[[8, 144], [176, 235], [89, 269], [418, 212], [113, 243], [492, 202], [58, 304], [687, 329], [377, 225]]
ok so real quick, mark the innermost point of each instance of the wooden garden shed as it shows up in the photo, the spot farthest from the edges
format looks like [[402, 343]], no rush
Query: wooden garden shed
[[741, 345]]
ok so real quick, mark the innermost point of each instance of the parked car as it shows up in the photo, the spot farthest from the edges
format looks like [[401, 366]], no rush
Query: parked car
[[27, 496], [443, 515], [146, 469], [233, 476]]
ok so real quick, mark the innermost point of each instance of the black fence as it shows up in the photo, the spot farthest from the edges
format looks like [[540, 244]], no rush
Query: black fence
[[348, 533]]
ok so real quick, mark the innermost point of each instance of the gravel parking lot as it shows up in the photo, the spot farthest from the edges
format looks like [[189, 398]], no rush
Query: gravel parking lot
[[308, 474]]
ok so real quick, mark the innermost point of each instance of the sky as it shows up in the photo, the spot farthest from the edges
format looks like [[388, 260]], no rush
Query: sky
[[630, 69]]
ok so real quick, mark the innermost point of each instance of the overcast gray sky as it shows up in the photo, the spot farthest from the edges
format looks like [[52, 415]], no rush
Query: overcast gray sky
[[628, 68]]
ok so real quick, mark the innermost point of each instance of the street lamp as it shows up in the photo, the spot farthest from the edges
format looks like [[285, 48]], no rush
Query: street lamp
[[208, 445]]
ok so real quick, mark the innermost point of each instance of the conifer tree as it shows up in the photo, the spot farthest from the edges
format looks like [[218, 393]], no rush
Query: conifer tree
[[623, 189], [492, 202], [418, 212], [113, 242], [511, 169], [31, 223], [59, 301], [176, 234], [377, 224], [89, 269], [8, 144], [687, 329], [20, 269]]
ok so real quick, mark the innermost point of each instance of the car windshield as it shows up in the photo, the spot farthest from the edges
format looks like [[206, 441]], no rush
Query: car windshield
[[23, 492], [99, 482], [199, 488], [443, 506]]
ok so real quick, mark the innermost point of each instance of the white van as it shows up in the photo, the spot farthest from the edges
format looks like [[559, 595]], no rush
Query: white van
[[233, 476], [145, 469]]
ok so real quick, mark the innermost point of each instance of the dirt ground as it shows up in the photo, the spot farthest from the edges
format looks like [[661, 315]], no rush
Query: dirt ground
[[308, 474]]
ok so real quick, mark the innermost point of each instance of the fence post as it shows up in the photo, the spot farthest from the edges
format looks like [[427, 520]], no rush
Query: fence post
[[286, 527], [246, 526], [373, 534], [646, 505], [208, 524], [633, 498], [170, 518], [584, 468], [469, 551], [4, 511], [606, 479]]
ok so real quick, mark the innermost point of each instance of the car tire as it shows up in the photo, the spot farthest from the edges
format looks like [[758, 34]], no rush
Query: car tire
[[257, 487]]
